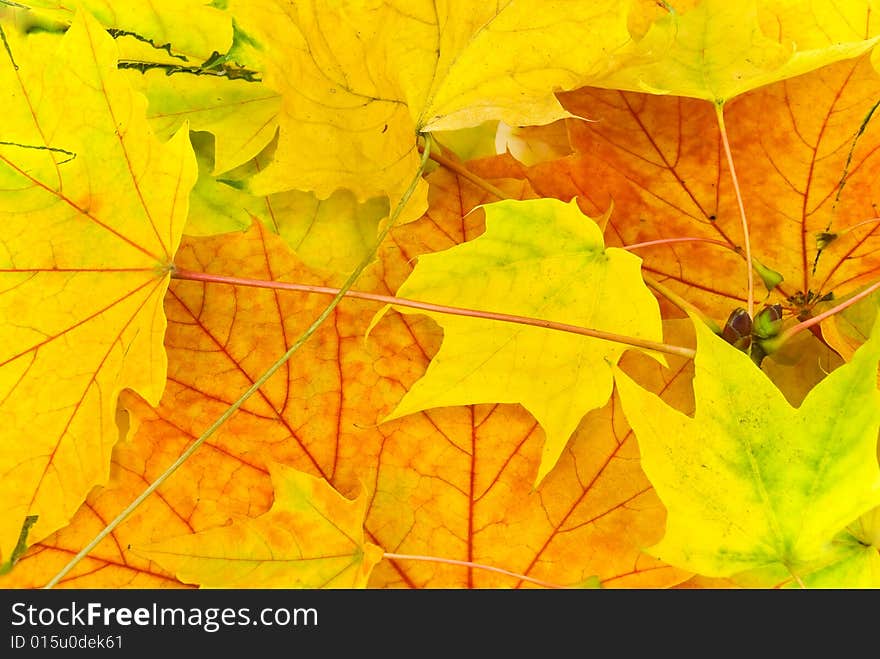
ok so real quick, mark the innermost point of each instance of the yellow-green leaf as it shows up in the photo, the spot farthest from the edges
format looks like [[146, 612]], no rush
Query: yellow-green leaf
[[307, 224], [540, 258], [312, 537], [856, 565], [92, 210], [718, 49], [168, 35], [749, 481], [470, 143], [189, 28], [852, 561], [243, 116], [215, 206]]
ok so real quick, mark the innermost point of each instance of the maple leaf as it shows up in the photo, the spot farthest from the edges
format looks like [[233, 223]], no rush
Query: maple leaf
[[531, 145], [750, 481], [849, 329], [447, 496], [469, 491], [312, 537], [93, 209], [177, 55], [306, 223], [538, 258], [359, 80], [241, 115], [454, 484], [658, 161], [186, 28], [717, 50]]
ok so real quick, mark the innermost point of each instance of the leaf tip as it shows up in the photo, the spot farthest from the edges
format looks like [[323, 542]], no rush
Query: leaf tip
[[377, 317]]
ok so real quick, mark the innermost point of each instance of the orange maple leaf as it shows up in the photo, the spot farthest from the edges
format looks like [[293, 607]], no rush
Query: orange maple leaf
[[803, 174], [455, 484]]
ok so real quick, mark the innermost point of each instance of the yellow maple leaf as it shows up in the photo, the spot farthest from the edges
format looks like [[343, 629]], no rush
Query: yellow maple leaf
[[359, 79], [312, 537], [93, 209], [187, 28], [717, 50], [750, 482], [540, 258], [455, 483]]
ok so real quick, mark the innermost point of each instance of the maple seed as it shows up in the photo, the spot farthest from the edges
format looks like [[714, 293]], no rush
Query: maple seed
[[771, 278]]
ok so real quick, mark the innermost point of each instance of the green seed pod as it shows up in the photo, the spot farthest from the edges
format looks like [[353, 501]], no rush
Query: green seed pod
[[768, 322], [771, 278]]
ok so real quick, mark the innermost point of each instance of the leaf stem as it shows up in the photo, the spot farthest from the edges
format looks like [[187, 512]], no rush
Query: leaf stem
[[259, 382], [872, 220], [479, 566], [464, 172], [685, 239], [815, 320], [673, 297], [756, 266], [719, 113], [798, 580], [688, 353]]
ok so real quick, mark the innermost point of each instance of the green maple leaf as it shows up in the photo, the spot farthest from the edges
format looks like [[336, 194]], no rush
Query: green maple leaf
[[541, 258], [751, 482]]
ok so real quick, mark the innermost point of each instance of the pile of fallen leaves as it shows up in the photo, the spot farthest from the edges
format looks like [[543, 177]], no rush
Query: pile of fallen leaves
[[450, 294]]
